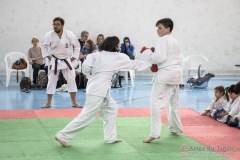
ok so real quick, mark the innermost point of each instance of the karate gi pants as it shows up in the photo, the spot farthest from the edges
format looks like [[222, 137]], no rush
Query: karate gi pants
[[106, 107], [164, 95], [68, 74]]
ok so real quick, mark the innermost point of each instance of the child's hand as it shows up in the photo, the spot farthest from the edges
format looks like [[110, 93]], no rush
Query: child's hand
[[204, 113], [154, 68], [220, 115], [143, 49], [232, 119], [152, 49]]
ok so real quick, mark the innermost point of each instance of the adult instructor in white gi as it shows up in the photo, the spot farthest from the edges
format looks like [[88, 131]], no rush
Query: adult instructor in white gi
[[61, 47]]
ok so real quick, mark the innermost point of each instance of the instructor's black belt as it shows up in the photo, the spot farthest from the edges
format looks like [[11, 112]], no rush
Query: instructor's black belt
[[56, 59]]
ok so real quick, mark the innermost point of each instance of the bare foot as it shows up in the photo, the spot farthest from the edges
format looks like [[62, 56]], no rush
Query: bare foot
[[148, 140], [176, 133], [173, 133], [63, 143], [75, 105], [46, 105], [117, 141]]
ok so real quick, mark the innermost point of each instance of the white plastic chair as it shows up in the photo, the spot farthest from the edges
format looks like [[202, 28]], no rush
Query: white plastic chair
[[192, 63], [132, 75], [11, 58]]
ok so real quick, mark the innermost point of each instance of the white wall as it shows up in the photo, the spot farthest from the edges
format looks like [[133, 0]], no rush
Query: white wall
[[207, 27]]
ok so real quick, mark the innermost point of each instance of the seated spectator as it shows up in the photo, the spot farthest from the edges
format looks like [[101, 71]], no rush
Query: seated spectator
[[127, 48], [36, 59], [220, 100], [235, 100], [82, 40], [100, 39], [88, 48], [84, 37]]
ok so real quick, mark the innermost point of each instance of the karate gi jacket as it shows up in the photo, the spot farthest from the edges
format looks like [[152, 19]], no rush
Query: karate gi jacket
[[221, 103], [101, 66], [64, 48], [168, 57]]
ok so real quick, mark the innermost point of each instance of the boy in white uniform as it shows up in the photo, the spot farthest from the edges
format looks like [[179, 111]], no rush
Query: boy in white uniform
[[166, 80], [100, 67], [61, 47]]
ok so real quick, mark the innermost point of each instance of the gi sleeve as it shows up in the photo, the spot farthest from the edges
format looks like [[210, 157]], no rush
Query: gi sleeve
[[76, 45], [228, 107], [45, 45], [234, 110], [125, 63], [160, 53], [87, 64], [210, 106], [238, 116], [224, 104]]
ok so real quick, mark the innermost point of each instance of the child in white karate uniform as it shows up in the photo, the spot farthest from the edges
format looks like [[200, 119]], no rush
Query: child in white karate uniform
[[219, 102], [234, 115], [235, 100], [100, 67], [166, 80]]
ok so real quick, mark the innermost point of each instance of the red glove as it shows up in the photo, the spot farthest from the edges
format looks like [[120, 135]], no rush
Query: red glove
[[143, 49], [152, 49], [154, 68]]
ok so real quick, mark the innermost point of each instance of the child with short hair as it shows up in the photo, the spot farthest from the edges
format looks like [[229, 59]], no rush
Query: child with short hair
[[167, 57], [219, 102]]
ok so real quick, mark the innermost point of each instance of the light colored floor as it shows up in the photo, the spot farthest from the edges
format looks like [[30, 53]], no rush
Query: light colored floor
[[12, 98]]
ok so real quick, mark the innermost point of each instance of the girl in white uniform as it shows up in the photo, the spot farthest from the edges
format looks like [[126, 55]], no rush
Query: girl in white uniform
[[100, 67], [165, 81], [233, 105], [218, 104]]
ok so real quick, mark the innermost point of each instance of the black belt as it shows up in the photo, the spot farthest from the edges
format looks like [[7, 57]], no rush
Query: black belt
[[55, 69]]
